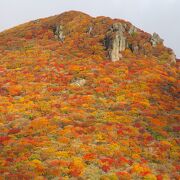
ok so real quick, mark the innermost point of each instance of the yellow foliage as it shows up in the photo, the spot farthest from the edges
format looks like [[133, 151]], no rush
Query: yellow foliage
[[138, 168], [62, 154], [135, 156], [109, 177], [100, 136], [78, 162], [36, 161], [150, 177], [121, 98]]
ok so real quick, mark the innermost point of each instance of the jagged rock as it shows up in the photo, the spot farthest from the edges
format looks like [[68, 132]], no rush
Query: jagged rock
[[58, 32], [36, 21], [132, 30], [155, 39], [134, 48], [173, 58], [116, 41], [90, 28], [79, 82], [118, 27], [118, 45]]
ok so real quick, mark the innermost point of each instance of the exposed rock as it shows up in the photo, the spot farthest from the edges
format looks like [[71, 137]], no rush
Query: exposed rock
[[79, 82], [118, 27], [58, 32], [116, 41], [173, 58], [155, 39], [90, 28], [132, 30], [36, 21], [134, 48]]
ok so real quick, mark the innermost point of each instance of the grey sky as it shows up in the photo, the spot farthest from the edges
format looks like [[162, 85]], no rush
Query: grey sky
[[161, 16]]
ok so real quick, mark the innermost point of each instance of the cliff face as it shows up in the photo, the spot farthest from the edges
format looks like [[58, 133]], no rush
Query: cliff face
[[87, 98], [115, 36], [115, 41]]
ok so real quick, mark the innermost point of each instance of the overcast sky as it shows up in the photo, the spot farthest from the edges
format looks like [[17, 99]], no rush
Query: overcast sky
[[161, 16]]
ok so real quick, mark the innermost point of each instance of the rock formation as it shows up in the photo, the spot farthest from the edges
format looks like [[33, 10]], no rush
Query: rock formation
[[58, 32], [116, 41], [92, 35], [155, 39], [173, 57], [90, 28], [79, 82], [132, 30]]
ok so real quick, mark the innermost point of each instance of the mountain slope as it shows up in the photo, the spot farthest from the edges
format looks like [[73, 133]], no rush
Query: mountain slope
[[88, 98]]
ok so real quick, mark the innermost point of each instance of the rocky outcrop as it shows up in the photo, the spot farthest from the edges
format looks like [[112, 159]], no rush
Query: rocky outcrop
[[59, 33], [155, 40], [116, 41], [173, 58], [116, 35], [89, 30], [79, 82], [133, 30]]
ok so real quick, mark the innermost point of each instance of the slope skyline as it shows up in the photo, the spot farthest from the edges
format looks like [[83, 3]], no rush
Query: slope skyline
[[151, 16]]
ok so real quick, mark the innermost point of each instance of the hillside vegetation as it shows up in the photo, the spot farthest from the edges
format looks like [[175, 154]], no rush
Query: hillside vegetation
[[68, 110]]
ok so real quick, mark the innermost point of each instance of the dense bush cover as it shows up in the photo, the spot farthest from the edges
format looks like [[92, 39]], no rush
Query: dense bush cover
[[121, 123]]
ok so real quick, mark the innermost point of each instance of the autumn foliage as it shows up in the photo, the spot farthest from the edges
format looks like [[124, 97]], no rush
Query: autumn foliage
[[121, 123]]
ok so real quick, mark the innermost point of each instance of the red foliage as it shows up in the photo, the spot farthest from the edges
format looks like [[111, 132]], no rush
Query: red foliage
[[89, 157], [176, 128], [109, 161], [13, 131], [75, 172], [4, 139], [177, 167], [159, 177], [123, 175], [106, 168]]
